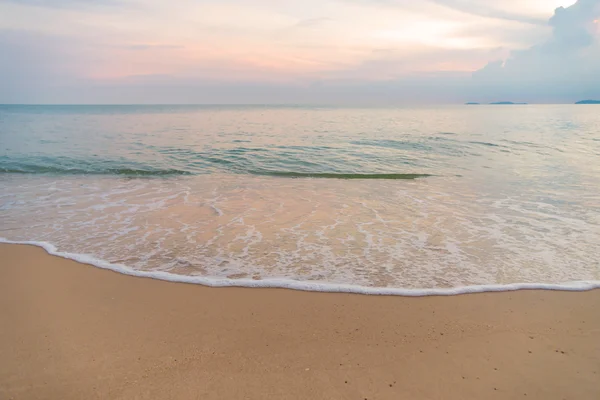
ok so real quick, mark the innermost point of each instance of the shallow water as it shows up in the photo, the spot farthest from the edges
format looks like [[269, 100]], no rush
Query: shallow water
[[427, 198]]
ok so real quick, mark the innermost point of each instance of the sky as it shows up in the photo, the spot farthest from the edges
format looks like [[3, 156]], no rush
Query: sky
[[309, 51]]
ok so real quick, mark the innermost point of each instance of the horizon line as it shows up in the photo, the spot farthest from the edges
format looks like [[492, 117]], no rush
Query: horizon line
[[291, 104]]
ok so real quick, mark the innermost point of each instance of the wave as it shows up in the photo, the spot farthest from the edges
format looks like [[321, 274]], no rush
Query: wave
[[37, 169], [487, 144], [327, 175], [309, 286], [81, 168]]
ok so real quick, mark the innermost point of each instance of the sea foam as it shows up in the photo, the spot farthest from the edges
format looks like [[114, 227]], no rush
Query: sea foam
[[304, 285]]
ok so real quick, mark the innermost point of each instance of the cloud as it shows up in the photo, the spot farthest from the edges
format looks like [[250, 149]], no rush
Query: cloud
[[193, 51], [479, 8], [574, 26], [484, 10], [61, 3], [568, 62], [394, 64]]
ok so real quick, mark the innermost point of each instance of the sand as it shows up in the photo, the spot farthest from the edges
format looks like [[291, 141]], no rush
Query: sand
[[72, 331]]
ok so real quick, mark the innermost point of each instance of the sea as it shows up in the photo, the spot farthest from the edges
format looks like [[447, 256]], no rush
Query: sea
[[428, 200]]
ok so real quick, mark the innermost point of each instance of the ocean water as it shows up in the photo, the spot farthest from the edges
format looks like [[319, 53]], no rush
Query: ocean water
[[377, 200]]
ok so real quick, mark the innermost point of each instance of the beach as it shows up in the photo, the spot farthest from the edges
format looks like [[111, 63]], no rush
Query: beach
[[73, 331], [361, 200]]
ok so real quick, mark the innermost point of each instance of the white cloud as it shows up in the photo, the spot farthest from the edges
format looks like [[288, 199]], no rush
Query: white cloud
[[568, 62], [484, 9]]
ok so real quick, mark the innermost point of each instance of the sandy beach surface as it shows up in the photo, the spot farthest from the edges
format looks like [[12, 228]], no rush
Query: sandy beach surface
[[71, 331]]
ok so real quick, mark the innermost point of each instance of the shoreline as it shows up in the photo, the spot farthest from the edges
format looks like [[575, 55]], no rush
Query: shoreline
[[306, 286], [71, 331]]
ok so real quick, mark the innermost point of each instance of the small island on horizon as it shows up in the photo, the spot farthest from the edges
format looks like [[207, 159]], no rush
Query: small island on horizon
[[588, 102], [472, 103]]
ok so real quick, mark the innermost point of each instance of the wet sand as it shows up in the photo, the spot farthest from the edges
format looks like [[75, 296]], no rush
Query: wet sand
[[71, 331]]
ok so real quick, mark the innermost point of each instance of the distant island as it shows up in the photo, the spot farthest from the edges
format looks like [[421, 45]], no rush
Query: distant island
[[473, 103], [588, 102]]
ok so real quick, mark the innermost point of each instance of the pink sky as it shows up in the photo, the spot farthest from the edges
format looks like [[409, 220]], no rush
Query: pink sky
[[270, 41], [275, 40]]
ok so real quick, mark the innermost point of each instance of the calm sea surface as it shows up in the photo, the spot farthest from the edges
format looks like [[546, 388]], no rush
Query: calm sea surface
[[407, 198]]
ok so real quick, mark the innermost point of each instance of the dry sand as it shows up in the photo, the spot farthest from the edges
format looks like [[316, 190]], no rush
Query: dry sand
[[71, 331]]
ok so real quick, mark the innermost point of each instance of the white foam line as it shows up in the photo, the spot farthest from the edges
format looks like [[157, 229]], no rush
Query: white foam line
[[303, 285]]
